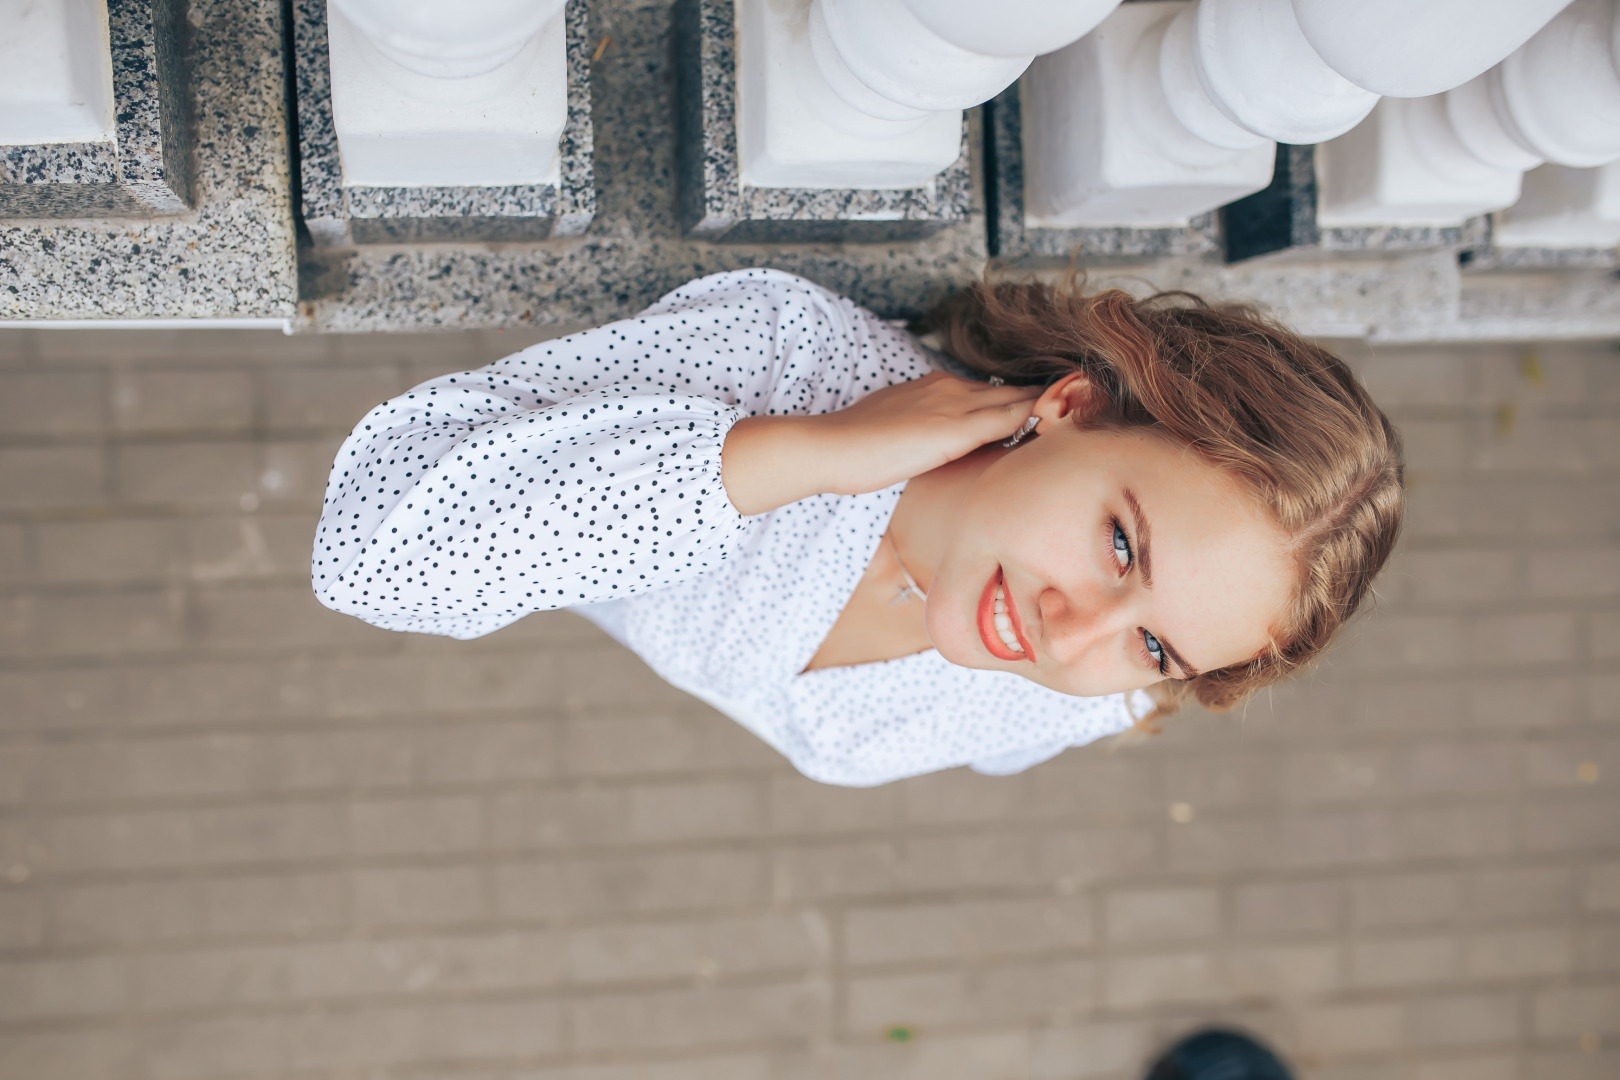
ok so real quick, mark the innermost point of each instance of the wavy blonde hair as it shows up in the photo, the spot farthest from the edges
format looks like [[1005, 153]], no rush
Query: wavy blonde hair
[[1251, 397]]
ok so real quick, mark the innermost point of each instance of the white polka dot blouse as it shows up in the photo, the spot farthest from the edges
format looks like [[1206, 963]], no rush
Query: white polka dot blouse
[[584, 473]]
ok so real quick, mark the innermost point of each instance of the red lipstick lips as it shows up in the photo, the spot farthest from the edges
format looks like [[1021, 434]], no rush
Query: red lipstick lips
[[987, 622]]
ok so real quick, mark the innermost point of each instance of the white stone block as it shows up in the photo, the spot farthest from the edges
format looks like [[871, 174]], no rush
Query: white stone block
[[1405, 165], [400, 128], [55, 72], [1564, 207], [1102, 146], [794, 129]]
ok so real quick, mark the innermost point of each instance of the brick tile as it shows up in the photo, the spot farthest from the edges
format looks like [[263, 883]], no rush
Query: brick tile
[[1575, 575], [297, 469], [55, 476], [63, 403], [1463, 1020], [22, 920], [331, 398], [63, 988], [1191, 978], [1004, 992], [99, 1053], [1406, 961], [1521, 703], [1575, 1010], [645, 883], [1601, 889], [114, 552], [147, 402], [1146, 915], [1567, 762], [106, 624], [1341, 773], [14, 562], [1606, 635], [831, 870], [1088, 1050], [354, 969], [947, 931], [711, 1016], [203, 837], [1270, 971], [274, 615], [701, 951], [1597, 949], [1515, 954], [1470, 1067], [188, 474], [1288, 908], [293, 903], [126, 913], [1572, 826], [1452, 768], [1408, 377], [1407, 899], [419, 896], [1333, 1030], [1221, 780], [1454, 576], [221, 549], [418, 826], [800, 805], [1520, 892], [1521, 639]]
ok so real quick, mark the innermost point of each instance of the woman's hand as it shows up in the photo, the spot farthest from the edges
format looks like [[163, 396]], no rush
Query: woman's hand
[[907, 429], [888, 436]]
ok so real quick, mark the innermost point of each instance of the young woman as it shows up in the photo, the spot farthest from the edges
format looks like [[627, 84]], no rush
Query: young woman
[[881, 558]]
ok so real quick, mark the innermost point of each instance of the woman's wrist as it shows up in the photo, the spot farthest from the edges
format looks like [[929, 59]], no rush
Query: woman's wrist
[[770, 461]]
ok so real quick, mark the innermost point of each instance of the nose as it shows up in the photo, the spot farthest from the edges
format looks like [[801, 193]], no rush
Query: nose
[[1073, 626]]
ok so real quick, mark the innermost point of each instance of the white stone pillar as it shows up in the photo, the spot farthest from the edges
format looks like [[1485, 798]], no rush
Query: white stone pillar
[[55, 72], [1563, 207], [870, 93], [1439, 159], [1109, 129], [431, 94]]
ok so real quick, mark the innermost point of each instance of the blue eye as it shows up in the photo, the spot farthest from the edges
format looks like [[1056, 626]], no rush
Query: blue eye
[[1154, 650], [1122, 547]]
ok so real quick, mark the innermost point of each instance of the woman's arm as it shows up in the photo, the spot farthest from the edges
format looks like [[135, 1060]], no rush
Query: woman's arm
[[888, 436]]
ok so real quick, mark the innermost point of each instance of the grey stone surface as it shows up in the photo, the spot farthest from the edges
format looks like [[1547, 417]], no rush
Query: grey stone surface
[[717, 205], [231, 255], [635, 249], [1013, 238], [338, 216], [146, 169]]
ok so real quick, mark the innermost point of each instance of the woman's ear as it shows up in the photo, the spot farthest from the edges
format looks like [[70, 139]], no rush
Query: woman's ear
[[1074, 393]]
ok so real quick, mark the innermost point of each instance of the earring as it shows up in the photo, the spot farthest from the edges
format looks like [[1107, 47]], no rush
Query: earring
[[1018, 437]]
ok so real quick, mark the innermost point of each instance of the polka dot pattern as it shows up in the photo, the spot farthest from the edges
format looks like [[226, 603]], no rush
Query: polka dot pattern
[[585, 473]]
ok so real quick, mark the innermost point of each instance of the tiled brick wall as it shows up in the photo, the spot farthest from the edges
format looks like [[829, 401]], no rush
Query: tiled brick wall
[[241, 836]]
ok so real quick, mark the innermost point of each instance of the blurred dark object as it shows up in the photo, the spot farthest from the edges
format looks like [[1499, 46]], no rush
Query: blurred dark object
[[1218, 1055]]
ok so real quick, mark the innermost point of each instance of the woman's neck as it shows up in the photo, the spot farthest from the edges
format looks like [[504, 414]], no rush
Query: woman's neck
[[925, 516]]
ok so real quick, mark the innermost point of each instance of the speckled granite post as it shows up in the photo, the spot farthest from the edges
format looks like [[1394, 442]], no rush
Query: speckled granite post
[[145, 169], [1282, 218], [338, 216], [717, 205], [1011, 235], [232, 254]]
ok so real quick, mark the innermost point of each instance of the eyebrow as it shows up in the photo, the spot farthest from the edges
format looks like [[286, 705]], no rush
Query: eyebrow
[[1144, 558]]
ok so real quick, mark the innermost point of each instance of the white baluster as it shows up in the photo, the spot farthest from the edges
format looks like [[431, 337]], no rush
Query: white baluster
[[1414, 48], [1564, 208], [55, 72], [870, 93], [1439, 159], [429, 94], [1119, 131]]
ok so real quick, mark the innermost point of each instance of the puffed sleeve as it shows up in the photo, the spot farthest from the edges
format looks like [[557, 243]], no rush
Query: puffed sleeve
[[458, 507]]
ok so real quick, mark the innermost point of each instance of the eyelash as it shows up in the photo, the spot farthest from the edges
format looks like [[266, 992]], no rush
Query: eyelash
[[1116, 532]]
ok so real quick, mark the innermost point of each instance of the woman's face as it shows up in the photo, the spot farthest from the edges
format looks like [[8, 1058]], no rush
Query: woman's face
[[1122, 558]]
